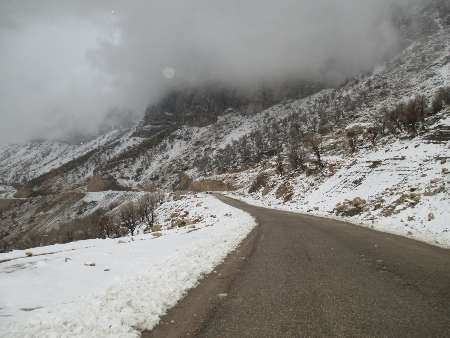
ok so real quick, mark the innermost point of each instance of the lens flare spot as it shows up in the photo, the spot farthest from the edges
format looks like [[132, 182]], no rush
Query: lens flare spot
[[168, 73]]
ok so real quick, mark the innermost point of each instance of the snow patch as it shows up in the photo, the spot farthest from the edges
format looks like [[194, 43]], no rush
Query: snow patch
[[112, 287]]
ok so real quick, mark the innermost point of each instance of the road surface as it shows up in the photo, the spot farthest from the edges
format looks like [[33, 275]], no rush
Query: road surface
[[304, 276]]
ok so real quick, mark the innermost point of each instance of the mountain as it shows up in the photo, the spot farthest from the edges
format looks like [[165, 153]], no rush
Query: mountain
[[374, 149]]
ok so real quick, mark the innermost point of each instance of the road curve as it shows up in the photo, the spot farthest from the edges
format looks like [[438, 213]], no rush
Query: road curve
[[306, 276]]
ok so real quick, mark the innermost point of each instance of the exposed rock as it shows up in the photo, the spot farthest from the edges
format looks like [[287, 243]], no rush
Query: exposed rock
[[285, 192], [260, 181], [351, 207], [406, 200], [434, 189], [178, 222], [202, 105], [267, 189]]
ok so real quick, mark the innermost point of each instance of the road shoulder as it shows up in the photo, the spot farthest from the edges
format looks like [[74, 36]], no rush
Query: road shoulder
[[188, 316]]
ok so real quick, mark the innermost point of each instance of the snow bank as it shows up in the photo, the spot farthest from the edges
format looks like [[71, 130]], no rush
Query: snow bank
[[116, 288]]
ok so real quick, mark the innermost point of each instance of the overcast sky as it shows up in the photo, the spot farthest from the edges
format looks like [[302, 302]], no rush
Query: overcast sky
[[65, 64]]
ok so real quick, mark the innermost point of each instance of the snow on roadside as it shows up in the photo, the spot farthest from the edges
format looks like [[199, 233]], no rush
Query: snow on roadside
[[434, 231], [404, 185], [131, 284]]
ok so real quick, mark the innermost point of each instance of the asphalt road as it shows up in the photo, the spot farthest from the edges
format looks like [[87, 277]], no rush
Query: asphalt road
[[303, 276]]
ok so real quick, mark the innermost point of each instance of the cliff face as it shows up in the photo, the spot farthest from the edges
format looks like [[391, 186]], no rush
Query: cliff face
[[199, 106], [202, 105]]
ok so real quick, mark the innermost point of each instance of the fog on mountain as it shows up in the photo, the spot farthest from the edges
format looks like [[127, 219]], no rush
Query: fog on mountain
[[66, 66]]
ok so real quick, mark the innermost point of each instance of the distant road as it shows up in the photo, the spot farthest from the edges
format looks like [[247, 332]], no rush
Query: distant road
[[304, 276]]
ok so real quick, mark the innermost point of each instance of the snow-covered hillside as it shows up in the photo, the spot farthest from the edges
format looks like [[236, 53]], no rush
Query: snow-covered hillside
[[237, 147], [20, 163], [420, 69], [116, 287], [400, 187]]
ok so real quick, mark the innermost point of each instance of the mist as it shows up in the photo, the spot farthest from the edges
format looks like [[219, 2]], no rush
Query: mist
[[66, 66]]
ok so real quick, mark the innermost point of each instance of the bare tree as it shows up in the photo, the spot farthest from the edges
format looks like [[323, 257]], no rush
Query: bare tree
[[147, 205], [107, 226], [297, 157], [202, 163], [373, 133], [279, 165], [351, 137], [441, 98], [244, 150], [258, 144], [314, 141], [129, 217], [413, 113], [148, 157], [389, 121], [225, 158]]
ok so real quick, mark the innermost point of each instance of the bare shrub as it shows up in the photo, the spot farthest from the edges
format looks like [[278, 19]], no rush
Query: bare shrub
[[279, 165], [297, 157], [284, 191], [441, 98], [375, 130], [351, 207], [129, 217], [314, 142], [351, 135], [260, 181], [406, 116], [147, 205], [413, 113], [107, 227]]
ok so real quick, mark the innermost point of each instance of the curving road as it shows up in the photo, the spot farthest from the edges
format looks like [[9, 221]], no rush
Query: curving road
[[303, 276]]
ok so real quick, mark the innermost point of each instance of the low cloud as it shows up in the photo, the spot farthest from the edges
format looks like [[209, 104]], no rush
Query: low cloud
[[66, 66]]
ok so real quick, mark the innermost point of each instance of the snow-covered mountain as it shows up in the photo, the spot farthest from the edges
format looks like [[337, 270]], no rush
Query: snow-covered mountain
[[20, 163], [356, 143]]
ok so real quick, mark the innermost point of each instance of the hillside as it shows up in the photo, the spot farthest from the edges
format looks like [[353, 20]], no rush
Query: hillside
[[381, 138]]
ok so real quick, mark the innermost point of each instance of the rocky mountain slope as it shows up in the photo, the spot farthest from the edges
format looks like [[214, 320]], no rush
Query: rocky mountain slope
[[374, 149]]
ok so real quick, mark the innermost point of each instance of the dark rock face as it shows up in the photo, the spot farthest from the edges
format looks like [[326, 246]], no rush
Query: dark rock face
[[201, 106]]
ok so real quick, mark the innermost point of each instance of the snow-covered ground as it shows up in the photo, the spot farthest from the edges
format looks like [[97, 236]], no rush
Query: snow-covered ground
[[404, 185], [7, 191], [116, 287], [435, 231]]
